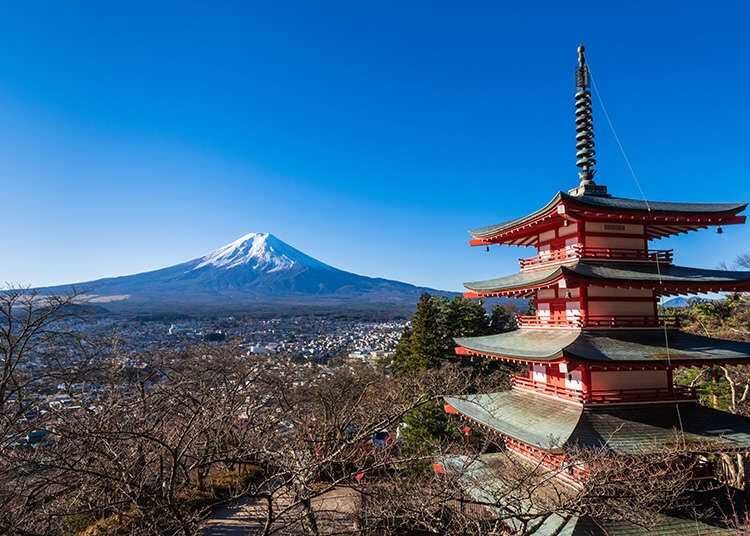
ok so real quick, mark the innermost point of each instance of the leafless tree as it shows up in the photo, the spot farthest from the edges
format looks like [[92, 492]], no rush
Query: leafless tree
[[165, 442]]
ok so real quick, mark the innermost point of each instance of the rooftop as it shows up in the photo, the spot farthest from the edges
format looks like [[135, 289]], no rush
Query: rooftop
[[632, 211], [637, 346], [645, 275], [546, 424], [482, 479]]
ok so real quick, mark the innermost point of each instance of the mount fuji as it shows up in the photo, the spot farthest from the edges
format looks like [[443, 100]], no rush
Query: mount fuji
[[255, 270]]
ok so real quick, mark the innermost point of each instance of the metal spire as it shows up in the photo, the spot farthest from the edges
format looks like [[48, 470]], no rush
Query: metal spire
[[585, 151]]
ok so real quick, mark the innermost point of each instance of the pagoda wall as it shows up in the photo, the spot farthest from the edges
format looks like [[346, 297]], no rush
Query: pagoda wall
[[614, 235], [593, 234], [556, 238], [552, 375], [609, 301], [611, 380], [621, 308]]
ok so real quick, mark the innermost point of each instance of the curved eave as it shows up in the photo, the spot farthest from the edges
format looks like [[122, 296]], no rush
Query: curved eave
[[606, 348], [674, 288], [518, 284], [468, 352], [661, 218], [530, 346], [665, 280], [567, 357], [652, 208], [511, 231]]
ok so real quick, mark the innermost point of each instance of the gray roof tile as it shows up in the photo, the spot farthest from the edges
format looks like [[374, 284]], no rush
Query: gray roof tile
[[607, 345], [482, 480], [612, 271], [615, 203], [554, 425]]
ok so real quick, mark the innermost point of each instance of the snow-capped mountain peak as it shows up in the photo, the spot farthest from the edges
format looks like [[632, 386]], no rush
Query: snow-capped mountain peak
[[262, 252], [257, 271]]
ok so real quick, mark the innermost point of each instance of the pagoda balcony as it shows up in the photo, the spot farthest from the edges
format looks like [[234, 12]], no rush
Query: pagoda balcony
[[568, 253], [630, 321], [606, 396], [596, 321], [547, 389], [554, 321]]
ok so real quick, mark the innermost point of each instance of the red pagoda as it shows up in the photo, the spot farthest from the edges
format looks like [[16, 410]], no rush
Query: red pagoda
[[599, 358]]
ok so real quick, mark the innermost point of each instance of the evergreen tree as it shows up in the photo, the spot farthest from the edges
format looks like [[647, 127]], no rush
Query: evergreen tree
[[502, 319], [427, 337], [465, 318], [425, 427], [402, 356]]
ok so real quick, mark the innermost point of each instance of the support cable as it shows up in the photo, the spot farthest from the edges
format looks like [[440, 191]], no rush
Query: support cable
[[648, 208]]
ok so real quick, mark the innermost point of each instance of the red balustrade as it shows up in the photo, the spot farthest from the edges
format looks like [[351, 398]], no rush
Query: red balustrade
[[640, 395], [556, 320], [549, 257], [603, 396], [630, 321], [577, 251], [661, 255], [580, 320], [548, 389]]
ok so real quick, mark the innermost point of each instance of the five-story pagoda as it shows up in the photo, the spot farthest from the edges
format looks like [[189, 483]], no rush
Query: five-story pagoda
[[599, 358]]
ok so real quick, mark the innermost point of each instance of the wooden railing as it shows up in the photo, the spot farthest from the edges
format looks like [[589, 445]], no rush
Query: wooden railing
[[549, 257], [662, 255], [577, 251], [640, 395], [560, 321], [596, 321], [602, 396], [630, 321], [548, 389]]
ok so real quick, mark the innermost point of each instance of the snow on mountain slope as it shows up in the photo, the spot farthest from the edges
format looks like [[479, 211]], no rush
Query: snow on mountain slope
[[257, 268], [260, 251]]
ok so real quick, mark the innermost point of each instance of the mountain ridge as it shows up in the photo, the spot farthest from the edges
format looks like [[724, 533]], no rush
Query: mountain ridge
[[255, 269]]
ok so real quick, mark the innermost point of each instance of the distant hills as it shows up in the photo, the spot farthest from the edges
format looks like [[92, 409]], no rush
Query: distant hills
[[680, 302], [256, 271]]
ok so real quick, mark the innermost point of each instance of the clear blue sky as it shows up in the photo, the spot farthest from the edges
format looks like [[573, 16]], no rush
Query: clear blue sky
[[371, 136]]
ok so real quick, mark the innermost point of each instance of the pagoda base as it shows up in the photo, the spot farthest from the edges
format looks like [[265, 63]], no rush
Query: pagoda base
[[490, 479]]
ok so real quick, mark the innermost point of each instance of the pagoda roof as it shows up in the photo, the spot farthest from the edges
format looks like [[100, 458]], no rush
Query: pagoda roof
[[633, 210], [610, 273], [639, 346], [553, 426], [482, 479]]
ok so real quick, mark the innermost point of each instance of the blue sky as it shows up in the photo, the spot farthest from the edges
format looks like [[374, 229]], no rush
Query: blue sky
[[369, 135]]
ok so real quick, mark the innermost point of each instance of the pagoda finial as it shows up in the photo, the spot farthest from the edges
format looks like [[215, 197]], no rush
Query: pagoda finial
[[585, 151]]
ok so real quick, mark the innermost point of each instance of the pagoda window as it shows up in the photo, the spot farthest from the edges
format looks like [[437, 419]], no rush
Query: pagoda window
[[543, 312], [572, 311], [574, 380], [545, 251], [539, 373], [571, 243]]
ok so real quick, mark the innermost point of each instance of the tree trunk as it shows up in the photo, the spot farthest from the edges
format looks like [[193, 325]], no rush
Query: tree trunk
[[309, 522], [734, 468]]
